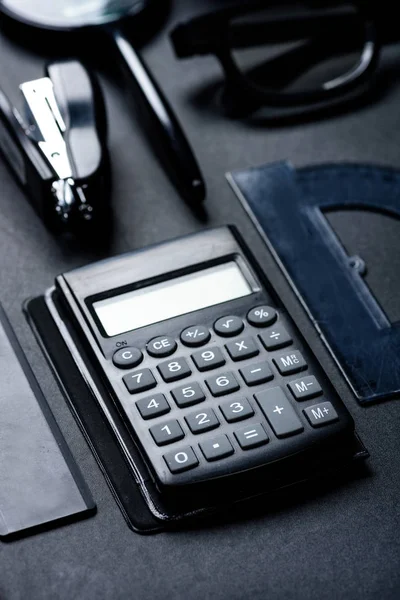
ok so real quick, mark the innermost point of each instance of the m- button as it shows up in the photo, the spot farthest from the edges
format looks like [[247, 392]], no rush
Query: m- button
[[161, 346]]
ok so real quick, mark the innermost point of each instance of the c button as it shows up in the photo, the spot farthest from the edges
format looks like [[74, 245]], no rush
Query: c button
[[126, 358]]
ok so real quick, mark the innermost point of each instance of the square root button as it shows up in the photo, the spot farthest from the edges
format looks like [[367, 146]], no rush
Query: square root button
[[279, 412]]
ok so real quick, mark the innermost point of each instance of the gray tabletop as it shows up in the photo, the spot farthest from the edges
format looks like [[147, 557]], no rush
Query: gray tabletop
[[343, 543]]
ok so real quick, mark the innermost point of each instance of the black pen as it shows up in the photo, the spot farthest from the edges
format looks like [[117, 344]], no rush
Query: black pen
[[182, 163]]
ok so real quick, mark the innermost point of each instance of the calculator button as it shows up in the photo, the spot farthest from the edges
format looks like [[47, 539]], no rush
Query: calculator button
[[127, 358], [222, 384], [229, 326], [139, 381], [206, 360], [251, 436], [219, 447], [279, 412], [305, 388], [167, 432], [290, 363], [321, 414], [187, 395], [236, 410], [199, 422], [275, 338], [153, 406], [256, 373], [195, 336], [172, 370], [180, 461], [161, 346], [262, 316], [242, 349]]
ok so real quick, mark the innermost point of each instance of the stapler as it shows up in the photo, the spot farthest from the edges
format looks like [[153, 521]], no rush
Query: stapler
[[57, 147]]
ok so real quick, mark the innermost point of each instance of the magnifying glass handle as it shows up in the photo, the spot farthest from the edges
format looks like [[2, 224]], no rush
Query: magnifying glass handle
[[181, 161]]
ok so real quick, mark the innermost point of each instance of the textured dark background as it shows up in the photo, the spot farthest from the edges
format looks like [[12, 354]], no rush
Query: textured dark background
[[343, 543]]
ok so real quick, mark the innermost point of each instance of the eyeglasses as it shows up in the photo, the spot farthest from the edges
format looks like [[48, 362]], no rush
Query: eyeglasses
[[294, 58]]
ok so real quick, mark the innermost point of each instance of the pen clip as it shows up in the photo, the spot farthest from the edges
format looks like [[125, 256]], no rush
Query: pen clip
[[46, 125]]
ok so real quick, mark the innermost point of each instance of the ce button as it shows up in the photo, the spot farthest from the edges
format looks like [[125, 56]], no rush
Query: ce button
[[161, 346], [126, 358]]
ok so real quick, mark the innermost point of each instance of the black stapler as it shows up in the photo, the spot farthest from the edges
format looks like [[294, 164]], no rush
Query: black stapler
[[57, 147]]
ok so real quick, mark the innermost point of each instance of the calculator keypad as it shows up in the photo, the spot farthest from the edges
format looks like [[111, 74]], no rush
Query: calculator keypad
[[241, 387]]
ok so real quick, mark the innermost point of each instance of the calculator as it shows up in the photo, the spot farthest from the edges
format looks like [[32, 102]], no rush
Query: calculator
[[210, 376]]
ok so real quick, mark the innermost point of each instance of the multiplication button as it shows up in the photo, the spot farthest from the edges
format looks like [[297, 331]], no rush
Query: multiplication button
[[242, 349], [180, 461], [262, 316], [290, 363], [229, 326], [198, 335]]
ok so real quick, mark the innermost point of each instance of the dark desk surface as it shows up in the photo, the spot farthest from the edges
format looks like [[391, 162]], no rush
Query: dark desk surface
[[344, 543]]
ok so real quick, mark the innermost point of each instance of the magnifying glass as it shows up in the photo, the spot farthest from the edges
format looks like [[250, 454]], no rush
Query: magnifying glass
[[85, 16]]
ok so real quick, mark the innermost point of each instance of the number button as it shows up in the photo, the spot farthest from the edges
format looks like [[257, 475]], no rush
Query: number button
[[181, 461], [251, 437], [242, 349], [237, 410], [288, 364], [188, 395], [161, 346], [166, 433], [127, 358], [208, 359], [229, 326], [261, 316], [139, 381], [202, 421], [174, 369], [277, 337], [222, 384], [219, 447], [153, 406], [195, 336], [256, 374]]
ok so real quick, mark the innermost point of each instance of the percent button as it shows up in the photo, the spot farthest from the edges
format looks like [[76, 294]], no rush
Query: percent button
[[262, 316]]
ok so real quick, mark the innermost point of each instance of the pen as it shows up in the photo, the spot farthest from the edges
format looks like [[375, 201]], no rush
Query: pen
[[183, 166]]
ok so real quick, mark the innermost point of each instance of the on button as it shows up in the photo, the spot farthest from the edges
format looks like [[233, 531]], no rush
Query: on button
[[126, 358]]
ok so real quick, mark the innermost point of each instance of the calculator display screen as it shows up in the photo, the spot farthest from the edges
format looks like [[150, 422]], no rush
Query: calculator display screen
[[171, 298]]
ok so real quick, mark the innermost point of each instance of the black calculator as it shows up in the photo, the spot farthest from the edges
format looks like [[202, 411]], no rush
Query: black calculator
[[209, 374]]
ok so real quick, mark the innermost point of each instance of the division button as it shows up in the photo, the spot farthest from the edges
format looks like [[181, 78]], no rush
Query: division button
[[222, 384], [195, 336], [305, 388], [290, 363], [229, 326], [242, 349], [153, 406], [236, 410], [139, 381], [256, 373], [262, 316], [275, 338], [279, 412], [172, 370], [205, 360], [189, 394], [127, 358], [167, 433], [251, 436], [218, 447], [321, 414], [180, 461], [161, 346], [199, 421]]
